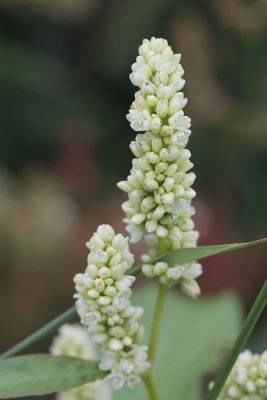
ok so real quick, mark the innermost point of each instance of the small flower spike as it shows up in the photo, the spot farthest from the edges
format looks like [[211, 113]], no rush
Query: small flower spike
[[103, 304]]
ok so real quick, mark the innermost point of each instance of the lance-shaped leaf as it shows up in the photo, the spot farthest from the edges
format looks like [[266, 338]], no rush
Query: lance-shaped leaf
[[182, 256], [42, 373]]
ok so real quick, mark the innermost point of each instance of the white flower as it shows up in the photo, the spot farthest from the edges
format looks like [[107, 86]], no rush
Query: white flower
[[135, 231], [92, 318], [179, 121], [140, 120], [121, 300], [115, 380], [248, 378]]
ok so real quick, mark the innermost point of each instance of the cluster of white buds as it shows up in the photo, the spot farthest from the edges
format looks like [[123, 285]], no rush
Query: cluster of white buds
[[74, 341], [248, 378], [103, 303], [159, 185]]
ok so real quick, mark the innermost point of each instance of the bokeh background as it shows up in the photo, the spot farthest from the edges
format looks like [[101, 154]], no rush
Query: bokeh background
[[64, 139]]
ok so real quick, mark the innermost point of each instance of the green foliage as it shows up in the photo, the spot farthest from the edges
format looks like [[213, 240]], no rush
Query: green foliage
[[40, 374], [193, 338]]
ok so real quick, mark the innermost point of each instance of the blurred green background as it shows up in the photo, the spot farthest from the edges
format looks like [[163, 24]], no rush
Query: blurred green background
[[64, 140]]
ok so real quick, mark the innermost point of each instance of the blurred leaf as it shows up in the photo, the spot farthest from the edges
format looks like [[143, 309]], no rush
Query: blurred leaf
[[53, 80], [42, 373], [43, 99], [128, 25], [193, 338]]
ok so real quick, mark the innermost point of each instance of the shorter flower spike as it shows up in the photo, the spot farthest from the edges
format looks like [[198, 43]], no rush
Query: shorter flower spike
[[73, 340], [248, 378], [103, 304]]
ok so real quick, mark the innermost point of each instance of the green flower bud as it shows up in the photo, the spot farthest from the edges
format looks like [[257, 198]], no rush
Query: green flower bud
[[164, 155], [162, 108], [147, 204], [152, 157], [151, 225], [168, 184], [152, 101], [138, 218], [151, 184], [125, 186], [104, 272], [160, 268], [156, 144], [158, 213]]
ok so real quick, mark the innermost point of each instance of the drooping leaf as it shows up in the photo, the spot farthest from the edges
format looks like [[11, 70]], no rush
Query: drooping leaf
[[42, 373], [194, 337]]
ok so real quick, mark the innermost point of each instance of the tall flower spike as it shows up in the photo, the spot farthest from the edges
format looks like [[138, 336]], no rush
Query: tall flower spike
[[248, 378], [74, 341], [159, 185], [103, 303]]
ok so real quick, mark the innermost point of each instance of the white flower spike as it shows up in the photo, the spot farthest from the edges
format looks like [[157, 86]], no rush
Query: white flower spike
[[159, 185], [103, 304]]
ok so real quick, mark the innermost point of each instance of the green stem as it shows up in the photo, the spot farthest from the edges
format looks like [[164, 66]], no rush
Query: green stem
[[151, 388], [156, 323], [240, 342], [46, 330]]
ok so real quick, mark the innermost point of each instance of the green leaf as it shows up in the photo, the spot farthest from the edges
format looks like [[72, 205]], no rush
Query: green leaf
[[189, 254], [182, 256], [193, 339], [40, 374]]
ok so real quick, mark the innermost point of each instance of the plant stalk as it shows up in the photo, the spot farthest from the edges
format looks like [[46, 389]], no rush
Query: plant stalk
[[150, 386], [156, 323], [240, 342]]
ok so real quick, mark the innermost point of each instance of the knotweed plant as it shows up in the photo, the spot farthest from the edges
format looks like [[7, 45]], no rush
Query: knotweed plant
[[158, 208]]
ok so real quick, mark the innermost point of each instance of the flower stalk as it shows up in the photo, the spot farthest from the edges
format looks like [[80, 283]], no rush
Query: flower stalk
[[150, 386], [156, 323]]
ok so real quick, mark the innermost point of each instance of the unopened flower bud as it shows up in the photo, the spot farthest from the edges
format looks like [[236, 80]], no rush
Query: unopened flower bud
[[162, 108]]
